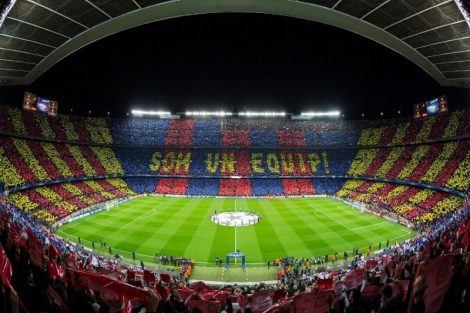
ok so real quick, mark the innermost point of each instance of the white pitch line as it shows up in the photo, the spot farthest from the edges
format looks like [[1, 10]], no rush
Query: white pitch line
[[154, 212], [371, 225]]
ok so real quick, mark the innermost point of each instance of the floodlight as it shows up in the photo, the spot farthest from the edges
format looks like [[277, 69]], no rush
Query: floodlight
[[208, 113], [262, 114], [151, 113], [322, 114]]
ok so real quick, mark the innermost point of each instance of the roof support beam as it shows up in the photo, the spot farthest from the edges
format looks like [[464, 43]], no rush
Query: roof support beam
[[98, 8], [336, 4], [447, 53], [299, 9], [374, 9], [11, 69], [455, 71], [441, 42], [19, 51], [37, 26], [431, 29], [16, 61], [58, 13], [137, 4], [417, 13], [29, 40], [451, 62]]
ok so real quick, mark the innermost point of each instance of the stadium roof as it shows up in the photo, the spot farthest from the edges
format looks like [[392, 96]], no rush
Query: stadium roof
[[36, 34]]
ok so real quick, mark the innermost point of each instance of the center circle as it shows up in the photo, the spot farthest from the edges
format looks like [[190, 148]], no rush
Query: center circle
[[236, 218]]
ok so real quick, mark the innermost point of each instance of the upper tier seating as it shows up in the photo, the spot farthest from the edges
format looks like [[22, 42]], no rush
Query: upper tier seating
[[132, 131], [30, 161], [62, 127], [232, 132], [206, 133], [441, 164]]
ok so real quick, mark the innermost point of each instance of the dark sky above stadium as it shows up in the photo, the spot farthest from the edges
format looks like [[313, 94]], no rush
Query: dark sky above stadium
[[236, 62]]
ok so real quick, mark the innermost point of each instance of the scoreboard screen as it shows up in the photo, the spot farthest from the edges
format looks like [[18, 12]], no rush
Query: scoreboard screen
[[31, 102], [432, 107]]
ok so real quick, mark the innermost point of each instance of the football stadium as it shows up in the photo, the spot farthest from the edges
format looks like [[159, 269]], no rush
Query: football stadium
[[176, 207]]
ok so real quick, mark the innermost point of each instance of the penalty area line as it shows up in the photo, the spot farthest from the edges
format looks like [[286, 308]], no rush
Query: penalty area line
[[154, 212]]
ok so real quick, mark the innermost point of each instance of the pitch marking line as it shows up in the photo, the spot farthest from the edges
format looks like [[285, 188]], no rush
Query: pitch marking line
[[154, 212], [367, 226]]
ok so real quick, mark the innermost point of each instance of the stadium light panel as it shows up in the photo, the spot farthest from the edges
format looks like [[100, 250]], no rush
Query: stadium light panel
[[262, 114], [208, 113], [150, 113], [321, 114]]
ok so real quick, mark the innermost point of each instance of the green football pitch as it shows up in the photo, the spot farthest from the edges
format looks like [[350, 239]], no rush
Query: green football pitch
[[300, 227]]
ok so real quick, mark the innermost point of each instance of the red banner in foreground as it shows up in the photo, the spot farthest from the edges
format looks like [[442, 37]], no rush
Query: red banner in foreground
[[5, 268], [311, 302], [261, 301], [438, 275], [354, 278], [103, 283], [204, 306]]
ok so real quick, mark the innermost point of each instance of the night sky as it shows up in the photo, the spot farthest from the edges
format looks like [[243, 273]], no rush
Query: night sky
[[236, 62]]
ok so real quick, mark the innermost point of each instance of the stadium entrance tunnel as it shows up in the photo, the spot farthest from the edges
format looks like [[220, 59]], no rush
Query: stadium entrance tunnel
[[236, 218]]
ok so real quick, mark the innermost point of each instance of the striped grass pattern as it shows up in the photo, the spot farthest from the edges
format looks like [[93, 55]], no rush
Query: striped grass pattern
[[300, 227]]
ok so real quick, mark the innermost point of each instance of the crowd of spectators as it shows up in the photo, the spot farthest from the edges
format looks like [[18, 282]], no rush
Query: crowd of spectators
[[327, 186], [203, 187], [210, 132], [240, 162], [179, 133], [207, 133], [131, 131], [417, 205], [62, 127], [40, 279], [429, 273], [44, 273], [260, 187], [298, 187], [141, 185], [441, 164], [172, 186], [31, 161], [173, 260], [267, 187], [235, 187], [50, 204]]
